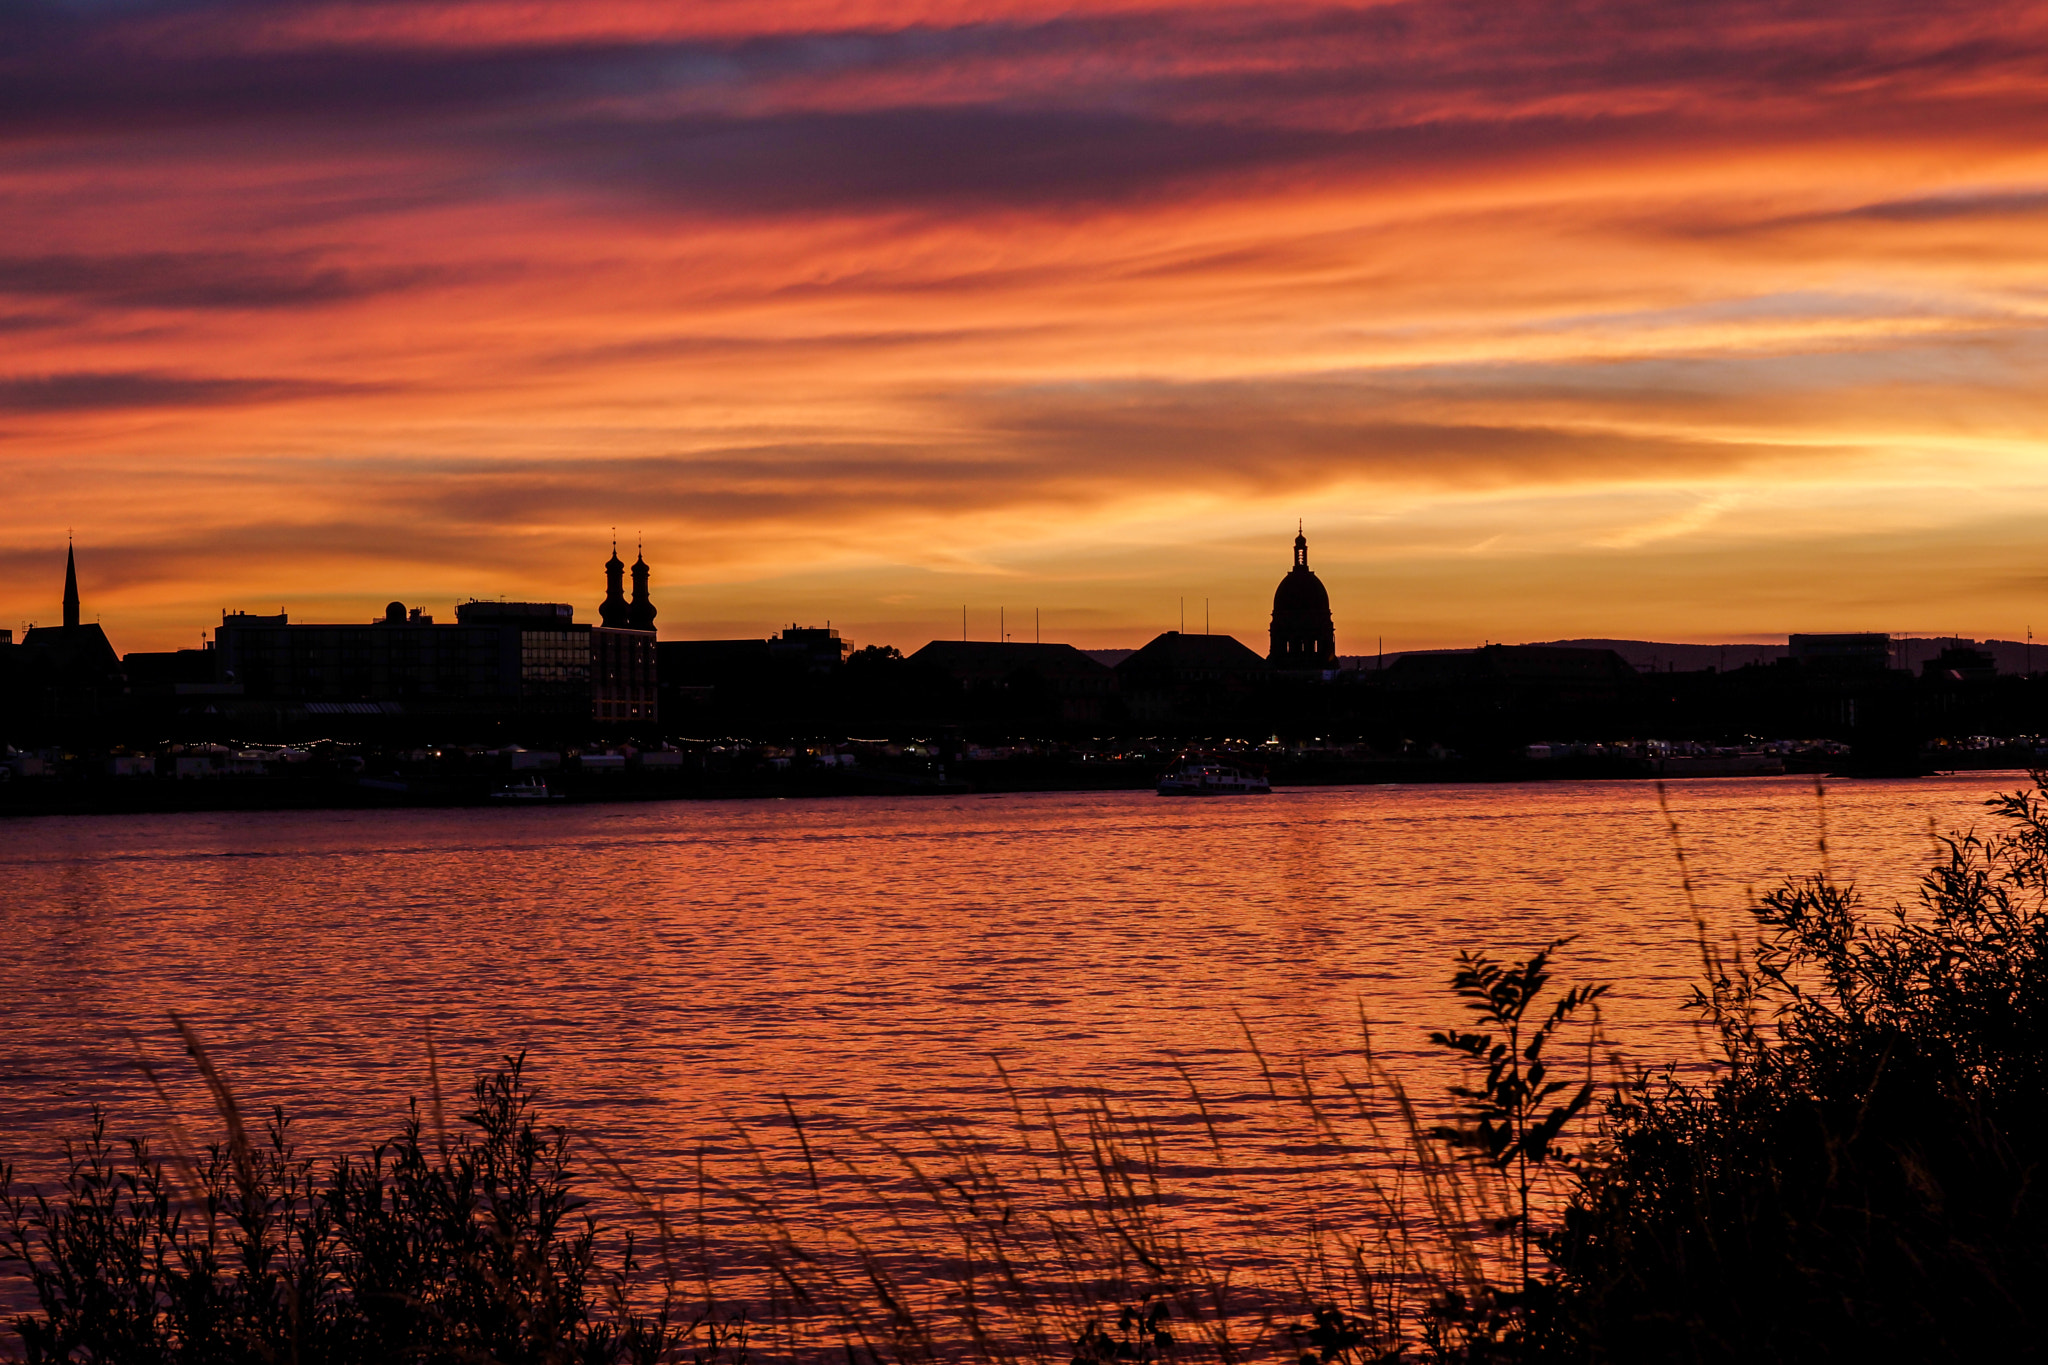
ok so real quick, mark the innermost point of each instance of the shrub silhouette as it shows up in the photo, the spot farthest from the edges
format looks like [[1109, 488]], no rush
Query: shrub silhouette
[[1862, 1180], [467, 1249]]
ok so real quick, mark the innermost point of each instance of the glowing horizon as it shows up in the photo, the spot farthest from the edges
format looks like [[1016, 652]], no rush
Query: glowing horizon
[[1555, 322]]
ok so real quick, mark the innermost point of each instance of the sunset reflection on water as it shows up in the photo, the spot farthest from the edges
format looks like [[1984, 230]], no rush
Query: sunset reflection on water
[[675, 968]]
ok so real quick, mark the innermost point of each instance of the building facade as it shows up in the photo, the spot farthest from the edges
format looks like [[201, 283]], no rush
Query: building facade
[[495, 658], [1077, 687], [624, 677], [498, 657], [1861, 652], [1179, 678]]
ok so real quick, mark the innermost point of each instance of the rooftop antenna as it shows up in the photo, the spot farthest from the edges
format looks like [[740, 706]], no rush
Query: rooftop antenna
[[1205, 616], [1035, 621]]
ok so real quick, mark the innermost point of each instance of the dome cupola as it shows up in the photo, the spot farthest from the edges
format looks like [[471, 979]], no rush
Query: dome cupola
[[1303, 635]]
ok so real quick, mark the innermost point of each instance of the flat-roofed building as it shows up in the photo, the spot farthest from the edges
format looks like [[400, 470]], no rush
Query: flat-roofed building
[[1856, 652], [624, 674], [494, 659], [1553, 674], [816, 649], [1081, 685], [498, 657]]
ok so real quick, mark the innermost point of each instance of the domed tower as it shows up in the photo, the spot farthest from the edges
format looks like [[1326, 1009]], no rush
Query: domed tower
[[614, 612], [1303, 636], [641, 615]]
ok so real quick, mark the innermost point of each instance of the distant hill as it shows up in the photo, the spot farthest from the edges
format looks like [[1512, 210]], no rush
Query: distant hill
[[1643, 655], [1654, 656], [2013, 656]]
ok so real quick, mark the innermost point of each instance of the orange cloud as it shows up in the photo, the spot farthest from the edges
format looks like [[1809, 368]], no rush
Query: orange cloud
[[857, 310]]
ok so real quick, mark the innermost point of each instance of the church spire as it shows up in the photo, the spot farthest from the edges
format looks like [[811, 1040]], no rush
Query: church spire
[[1300, 547], [640, 616], [70, 585], [614, 610]]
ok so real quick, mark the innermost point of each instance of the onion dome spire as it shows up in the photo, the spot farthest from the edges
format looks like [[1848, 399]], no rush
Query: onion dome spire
[[640, 616], [614, 611]]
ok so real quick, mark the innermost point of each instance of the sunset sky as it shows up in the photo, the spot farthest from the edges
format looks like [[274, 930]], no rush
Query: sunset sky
[[1676, 321]]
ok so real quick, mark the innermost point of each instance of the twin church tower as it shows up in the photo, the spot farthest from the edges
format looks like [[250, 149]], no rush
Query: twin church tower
[[616, 612]]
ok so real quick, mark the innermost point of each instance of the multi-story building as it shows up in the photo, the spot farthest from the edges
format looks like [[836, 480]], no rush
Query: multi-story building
[[494, 659], [622, 658], [1863, 652]]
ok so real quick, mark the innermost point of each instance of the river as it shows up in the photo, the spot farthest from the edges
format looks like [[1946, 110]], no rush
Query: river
[[674, 970]]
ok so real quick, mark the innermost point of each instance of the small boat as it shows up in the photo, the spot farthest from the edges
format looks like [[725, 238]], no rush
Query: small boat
[[531, 789], [1195, 777], [1721, 765]]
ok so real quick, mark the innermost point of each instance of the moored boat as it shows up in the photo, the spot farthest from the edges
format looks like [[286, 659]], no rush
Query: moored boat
[[530, 789], [1721, 765], [1198, 777]]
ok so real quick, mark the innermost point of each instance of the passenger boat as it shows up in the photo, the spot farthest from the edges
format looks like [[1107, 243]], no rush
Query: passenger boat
[[531, 789], [1721, 765], [1197, 777]]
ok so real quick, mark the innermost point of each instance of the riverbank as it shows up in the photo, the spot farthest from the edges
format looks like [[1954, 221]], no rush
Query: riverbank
[[326, 786]]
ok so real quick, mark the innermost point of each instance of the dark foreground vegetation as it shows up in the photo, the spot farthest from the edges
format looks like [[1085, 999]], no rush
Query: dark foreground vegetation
[[1863, 1179], [458, 1246], [1858, 1177]]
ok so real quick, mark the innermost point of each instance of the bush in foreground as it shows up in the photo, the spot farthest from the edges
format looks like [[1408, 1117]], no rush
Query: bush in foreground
[[1863, 1180], [440, 1248]]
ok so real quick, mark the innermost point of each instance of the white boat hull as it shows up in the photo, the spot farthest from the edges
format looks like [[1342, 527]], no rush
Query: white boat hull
[[1213, 779]]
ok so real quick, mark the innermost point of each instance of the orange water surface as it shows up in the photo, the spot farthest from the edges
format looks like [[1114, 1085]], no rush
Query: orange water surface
[[674, 969]]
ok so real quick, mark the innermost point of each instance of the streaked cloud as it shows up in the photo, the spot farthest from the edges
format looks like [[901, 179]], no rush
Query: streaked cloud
[[109, 392], [854, 308], [186, 280]]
